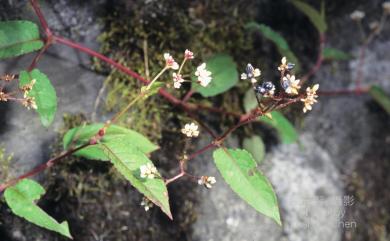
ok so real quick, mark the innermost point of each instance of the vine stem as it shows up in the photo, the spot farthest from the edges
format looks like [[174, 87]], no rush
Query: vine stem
[[41, 167], [92, 53], [42, 20], [218, 141], [319, 60], [39, 55], [189, 108]]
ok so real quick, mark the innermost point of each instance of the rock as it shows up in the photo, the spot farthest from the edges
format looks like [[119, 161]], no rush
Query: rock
[[22, 133], [77, 87], [308, 187]]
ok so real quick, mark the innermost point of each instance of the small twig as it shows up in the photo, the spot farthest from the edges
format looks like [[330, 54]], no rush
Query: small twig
[[41, 167], [97, 100], [319, 61], [39, 55], [146, 58], [42, 20], [362, 52], [188, 95]]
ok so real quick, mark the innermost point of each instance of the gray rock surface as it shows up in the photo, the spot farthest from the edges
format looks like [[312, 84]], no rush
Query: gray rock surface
[[77, 87], [308, 177], [308, 187], [22, 133]]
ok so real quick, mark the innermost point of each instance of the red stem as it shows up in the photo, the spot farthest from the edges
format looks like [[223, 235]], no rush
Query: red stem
[[356, 91], [188, 95], [39, 55], [41, 18], [246, 118], [88, 51], [319, 61], [41, 167], [359, 75]]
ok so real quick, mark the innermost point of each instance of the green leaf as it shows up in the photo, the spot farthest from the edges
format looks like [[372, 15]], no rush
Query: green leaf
[[224, 75], [81, 135], [21, 199], [250, 101], [127, 159], [317, 18], [285, 129], [18, 37], [239, 170], [280, 43], [255, 146], [335, 54], [43, 93], [381, 97]]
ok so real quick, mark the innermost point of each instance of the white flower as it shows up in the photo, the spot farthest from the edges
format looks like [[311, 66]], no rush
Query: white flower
[[188, 54], [190, 130], [146, 203], [357, 15], [251, 73], [204, 76], [374, 25], [386, 7], [170, 62], [177, 80], [290, 84], [207, 181], [266, 89], [28, 87], [3, 96], [310, 99], [283, 66], [148, 171], [29, 103]]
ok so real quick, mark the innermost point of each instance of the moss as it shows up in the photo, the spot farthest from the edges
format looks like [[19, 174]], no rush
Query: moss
[[97, 202], [5, 160], [168, 26]]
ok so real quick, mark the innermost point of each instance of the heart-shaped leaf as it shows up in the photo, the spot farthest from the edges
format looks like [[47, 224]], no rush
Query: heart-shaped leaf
[[224, 75], [43, 93]]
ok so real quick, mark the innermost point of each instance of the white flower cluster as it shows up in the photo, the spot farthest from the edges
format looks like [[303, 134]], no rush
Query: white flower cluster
[[146, 203], [177, 80], [170, 62], [207, 181], [251, 73], [190, 130], [148, 171], [291, 84], [311, 96], [357, 15], [188, 54], [204, 76], [386, 7]]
